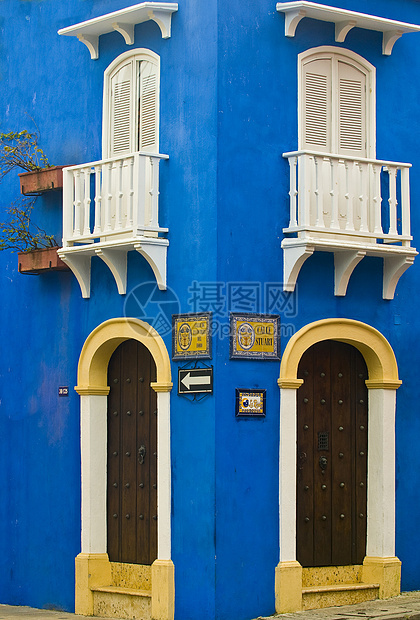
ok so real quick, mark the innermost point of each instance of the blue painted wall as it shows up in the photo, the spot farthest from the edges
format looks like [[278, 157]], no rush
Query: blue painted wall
[[228, 112]]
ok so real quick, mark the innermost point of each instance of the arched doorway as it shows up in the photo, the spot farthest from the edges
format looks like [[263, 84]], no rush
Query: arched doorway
[[379, 564], [332, 449], [94, 571]]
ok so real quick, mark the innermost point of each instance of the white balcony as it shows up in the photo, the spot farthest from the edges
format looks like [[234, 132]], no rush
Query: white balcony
[[352, 207], [111, 207]]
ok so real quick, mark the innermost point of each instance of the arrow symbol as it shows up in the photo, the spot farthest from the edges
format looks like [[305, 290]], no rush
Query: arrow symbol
[[188, 380]]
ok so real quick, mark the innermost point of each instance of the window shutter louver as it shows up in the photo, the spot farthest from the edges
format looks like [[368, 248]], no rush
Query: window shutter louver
[[148, 107], [317, 105], [121, 111], [351, 110], [131, 105], [334, 105]]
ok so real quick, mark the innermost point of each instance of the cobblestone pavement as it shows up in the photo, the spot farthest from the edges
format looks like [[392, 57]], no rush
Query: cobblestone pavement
[[12, 612], [407, 605]]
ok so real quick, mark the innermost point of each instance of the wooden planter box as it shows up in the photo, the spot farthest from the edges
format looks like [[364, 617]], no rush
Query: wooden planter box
[[33, 183], [38, 261]]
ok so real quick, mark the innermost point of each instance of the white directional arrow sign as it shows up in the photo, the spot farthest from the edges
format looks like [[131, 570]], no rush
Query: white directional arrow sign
[[195, 380], [188, 380]]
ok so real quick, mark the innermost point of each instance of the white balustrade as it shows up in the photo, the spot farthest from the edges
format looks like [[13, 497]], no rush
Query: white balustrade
[[361, 200], [112, 199]]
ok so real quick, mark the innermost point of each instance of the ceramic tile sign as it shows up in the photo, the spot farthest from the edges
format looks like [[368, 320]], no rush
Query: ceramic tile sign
[[191, 337], [250, 403], [254, 336]]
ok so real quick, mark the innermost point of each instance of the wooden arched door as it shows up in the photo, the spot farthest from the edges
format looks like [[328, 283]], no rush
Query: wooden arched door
[[332, 456], [132, 456]]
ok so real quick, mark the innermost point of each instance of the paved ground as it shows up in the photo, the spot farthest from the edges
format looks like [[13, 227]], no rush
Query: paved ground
[[10, 612], [405, 606]]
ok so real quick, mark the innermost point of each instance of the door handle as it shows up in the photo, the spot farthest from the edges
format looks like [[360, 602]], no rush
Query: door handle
[[141, 454]]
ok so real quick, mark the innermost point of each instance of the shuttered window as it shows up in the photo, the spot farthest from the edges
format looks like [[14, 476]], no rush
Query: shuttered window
[[148, 107], [351, 109], [333, 108], [317, 104], [131, 102], [121, 111]]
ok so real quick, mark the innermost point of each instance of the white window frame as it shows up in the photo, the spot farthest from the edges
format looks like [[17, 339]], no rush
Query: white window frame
[[329, 51], [138, 55]]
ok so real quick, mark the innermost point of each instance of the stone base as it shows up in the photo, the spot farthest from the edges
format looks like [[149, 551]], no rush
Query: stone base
[[163, 590], [386, 572], [92, 570], [124, 590], [288, 587]]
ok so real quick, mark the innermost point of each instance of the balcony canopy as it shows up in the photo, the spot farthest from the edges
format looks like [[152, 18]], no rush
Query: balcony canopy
[[123, 21], [344, 21]]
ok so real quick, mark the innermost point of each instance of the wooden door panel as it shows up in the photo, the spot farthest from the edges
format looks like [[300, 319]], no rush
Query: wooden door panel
[[132, 456], [332, 433], [113, 461], [305, 473], [342, 456], [322, 477], [128, 449]]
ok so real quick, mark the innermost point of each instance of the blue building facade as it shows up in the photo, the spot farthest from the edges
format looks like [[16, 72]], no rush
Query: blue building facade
[[173, 121]]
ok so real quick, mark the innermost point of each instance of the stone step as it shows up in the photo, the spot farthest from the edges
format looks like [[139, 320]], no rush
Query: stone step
[[331, 575], [117, 602], [318, 597], [134, 576]]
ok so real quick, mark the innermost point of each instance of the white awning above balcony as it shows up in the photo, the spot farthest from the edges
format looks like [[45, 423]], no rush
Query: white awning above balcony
[[344, 21], [122, 21]]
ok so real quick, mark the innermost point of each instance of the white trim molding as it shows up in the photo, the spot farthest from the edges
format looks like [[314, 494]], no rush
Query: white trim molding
[[122, 21], [382, 384], [380, 564], [93, 443], [92, 373], [344, 21]]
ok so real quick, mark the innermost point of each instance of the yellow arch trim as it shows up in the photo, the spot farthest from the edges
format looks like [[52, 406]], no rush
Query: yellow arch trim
[[375, 348], [102, 342]]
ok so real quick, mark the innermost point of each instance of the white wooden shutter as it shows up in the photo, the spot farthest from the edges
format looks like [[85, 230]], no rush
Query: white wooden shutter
[[316, 109], [121, 111], [148, 125], [351, 110]]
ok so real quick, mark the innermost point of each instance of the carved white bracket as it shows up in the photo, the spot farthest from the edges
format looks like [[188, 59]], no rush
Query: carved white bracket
[[292, 20], [163, 20], [344, 21], [397, 259], [122, 21], [154, 251], [80, 266], [116, 260], [388, 40], [114, 255], [394, 267], [293, 258], [126, 30], [342, 29], [92, 43], [344, 264]]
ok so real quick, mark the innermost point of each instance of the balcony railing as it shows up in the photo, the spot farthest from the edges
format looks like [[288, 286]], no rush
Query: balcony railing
[[110, 207], [331, 193], [340, 204], [111, 197]]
